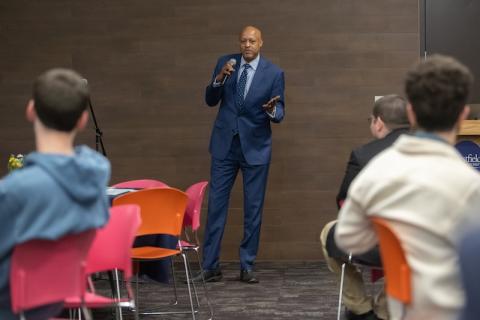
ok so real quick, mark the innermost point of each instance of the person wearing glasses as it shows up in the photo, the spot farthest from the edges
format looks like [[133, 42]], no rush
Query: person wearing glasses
[[423, 188], [387, 122]]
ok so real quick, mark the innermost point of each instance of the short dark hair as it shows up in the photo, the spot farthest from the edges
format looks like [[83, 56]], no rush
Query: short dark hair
[[60, 96], [392, 109], [438, 89]]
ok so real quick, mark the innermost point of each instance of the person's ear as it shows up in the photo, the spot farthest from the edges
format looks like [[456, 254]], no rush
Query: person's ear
[[30, 112], [82, 121], [464, 114], [380, 125], [412, 118]]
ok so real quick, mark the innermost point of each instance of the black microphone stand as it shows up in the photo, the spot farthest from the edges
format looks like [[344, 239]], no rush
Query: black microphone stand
[[99, 143], [98, 132]]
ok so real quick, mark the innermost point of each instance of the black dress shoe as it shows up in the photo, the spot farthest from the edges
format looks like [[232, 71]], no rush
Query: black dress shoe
[[248, 276], [370, 315], [209, 276]]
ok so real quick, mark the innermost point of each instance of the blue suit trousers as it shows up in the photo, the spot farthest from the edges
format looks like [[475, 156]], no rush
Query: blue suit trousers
[[223, 174]]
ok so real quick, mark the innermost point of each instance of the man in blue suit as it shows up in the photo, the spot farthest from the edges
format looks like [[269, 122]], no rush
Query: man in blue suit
[[250, 90]]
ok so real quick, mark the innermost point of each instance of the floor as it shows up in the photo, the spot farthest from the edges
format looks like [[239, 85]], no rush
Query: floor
[[290, 290]]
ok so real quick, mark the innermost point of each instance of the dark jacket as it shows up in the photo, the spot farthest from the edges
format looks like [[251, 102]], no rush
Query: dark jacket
[[358, 160], [361, 156]]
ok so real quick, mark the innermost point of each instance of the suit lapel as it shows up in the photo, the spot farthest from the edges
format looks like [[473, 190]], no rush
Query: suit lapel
[[256, 81]]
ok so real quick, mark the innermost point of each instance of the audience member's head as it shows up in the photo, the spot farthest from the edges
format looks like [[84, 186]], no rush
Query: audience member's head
[[438, 89], [389, 113], [60, 98]]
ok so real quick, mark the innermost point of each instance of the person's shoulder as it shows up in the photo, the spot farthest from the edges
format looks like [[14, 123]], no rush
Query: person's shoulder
[[270, 65], [370, 149], [21, 184], [86, 154], [378, 145], [21, 178]]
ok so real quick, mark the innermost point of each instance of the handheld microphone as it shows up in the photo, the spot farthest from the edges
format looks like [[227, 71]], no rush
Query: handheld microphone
[[231, 62]]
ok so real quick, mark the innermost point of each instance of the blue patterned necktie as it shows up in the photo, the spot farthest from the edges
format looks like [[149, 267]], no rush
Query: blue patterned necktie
[[242, 83]]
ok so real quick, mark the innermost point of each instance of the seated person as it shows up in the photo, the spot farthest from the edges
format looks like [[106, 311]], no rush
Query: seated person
[[387, 123], [61, 189], [424, 189]]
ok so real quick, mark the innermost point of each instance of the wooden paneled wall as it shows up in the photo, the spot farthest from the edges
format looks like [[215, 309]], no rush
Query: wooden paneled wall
[[148, 62]]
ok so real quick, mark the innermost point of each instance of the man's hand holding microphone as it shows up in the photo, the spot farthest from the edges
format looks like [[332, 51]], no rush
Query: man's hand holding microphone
[[226, 71]]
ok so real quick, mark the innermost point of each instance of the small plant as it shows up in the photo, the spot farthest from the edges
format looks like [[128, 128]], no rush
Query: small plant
[[15, 162]]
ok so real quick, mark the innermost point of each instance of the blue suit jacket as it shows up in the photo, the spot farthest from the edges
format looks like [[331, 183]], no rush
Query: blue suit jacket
[[251, 120]]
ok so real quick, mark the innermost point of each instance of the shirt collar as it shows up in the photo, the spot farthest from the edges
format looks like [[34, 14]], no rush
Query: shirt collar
[[429, 135], [253, 63]]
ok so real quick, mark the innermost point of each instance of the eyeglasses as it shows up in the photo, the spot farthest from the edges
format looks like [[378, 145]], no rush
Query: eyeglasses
[[370, 118]]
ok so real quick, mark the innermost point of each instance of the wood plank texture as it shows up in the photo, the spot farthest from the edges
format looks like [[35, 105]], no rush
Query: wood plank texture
[[148, 62]]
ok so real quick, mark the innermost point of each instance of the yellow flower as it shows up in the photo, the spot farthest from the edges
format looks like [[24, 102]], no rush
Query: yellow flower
[[15, 162]]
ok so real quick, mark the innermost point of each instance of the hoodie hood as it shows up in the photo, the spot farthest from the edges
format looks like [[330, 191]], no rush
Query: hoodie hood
[[81, 175]]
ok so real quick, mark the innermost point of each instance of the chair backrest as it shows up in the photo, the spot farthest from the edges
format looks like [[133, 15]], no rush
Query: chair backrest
[[46, 271], [141, 184], [395, 265], [162, 210], [111, 248], [196, 193]]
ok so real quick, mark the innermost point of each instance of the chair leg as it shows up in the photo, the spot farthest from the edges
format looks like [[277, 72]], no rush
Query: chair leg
[[187, 272], [191, 277], [135, 314], [341, 291], [204, 284], [137, 302], [86, 313], [135, 311], [118, 314], [174, 281], [342, 277], [131, 298]]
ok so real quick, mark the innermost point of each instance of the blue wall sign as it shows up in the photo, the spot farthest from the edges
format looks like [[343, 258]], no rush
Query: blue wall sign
[[470, 152]]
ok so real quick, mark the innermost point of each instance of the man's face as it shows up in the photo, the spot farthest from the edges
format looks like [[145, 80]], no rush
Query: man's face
[[250, 43]]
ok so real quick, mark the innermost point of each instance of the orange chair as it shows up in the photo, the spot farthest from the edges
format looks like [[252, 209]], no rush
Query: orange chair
[[395, 266], [162, 212]]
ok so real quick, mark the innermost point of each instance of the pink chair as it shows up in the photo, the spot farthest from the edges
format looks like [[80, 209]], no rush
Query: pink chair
[[45, 272], [141, 184], [191, 220], [111, 250]]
